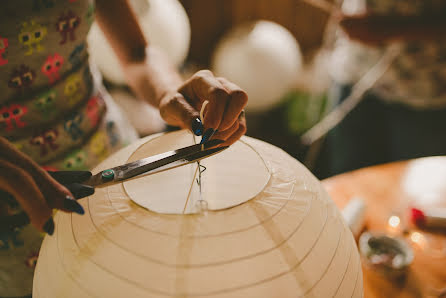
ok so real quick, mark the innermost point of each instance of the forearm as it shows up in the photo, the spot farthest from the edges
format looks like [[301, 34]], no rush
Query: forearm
[[120, 25], [154, 77], [148, 71]]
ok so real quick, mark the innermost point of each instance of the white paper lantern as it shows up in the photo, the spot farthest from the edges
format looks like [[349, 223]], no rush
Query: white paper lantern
[[165, 25], [424, 182], [263, 58], [284, 239]]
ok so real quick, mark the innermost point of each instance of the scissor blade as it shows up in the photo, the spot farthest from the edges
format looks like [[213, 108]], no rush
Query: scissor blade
[[188, 160], [150, 163]]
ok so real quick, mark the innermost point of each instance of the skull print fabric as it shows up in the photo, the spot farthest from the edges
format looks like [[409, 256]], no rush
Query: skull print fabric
[[50, 103], [53, 108]]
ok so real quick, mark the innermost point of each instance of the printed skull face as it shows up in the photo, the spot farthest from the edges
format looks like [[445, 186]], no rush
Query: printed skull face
[[74, 89], [45, 140], [31, 34], [73, 126], [51, 67], [72, 85], [11, 116], [45, 103], [66, 25], [22, 77], [52, 64], [75, 161], [98, 145]]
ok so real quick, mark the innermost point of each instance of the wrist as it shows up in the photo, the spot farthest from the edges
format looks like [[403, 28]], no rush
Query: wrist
[[163, 76], [153, 77]]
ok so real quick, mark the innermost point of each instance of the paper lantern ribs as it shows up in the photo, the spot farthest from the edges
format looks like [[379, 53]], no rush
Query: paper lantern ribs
[[271, 231]]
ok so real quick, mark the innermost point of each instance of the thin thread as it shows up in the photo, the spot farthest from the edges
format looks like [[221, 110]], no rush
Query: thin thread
[[199, 166], [190, 190], [205, 103], [201, 169]]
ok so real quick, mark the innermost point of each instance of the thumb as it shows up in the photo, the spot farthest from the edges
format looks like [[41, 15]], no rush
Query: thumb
[[177, 111]]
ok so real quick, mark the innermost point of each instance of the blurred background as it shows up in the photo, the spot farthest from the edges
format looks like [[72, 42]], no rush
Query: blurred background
[[272, 49]]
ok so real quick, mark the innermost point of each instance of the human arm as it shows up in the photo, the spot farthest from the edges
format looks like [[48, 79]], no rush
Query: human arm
[[152, 77], [33, 188]]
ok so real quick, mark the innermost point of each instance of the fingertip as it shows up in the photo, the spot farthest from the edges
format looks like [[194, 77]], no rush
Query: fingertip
[[207, 135], [237, 135], [177, 111], [72, 205], [79, 191], [197, 126], [49, 226], [238, 99]]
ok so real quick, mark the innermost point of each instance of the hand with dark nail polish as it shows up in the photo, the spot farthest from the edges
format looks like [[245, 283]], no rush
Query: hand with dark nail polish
[[80, 190], [72, 205], [48, 227], [207, 135], [197, 127], [223, 111]]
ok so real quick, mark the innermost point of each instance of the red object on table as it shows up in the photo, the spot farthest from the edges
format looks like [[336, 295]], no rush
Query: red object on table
[[380, 187], [417, 217]]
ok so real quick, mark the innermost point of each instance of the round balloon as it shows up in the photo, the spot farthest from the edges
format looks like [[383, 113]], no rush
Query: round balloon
[[261, 57], [165, 25], [271, 231]]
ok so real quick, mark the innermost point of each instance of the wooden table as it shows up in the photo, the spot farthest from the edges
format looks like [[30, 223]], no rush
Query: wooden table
[[381, 188]]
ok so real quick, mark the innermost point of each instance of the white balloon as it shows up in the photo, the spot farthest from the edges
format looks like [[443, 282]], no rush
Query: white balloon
[[424, 181], [165, 25], [263, 58]]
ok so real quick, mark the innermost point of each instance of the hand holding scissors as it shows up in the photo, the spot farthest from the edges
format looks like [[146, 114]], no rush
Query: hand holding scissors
[[38, 192]]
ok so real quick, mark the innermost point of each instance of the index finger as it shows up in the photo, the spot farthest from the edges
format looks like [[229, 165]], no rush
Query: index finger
[[49, 187], [235, 105], [22, 186], [204, 86]]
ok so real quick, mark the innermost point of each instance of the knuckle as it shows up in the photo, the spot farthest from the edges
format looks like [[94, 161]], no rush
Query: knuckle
[[204, 73], [170, 106], [240, 97], [173, 102], [242, 126], [163, 113], [217, 92]]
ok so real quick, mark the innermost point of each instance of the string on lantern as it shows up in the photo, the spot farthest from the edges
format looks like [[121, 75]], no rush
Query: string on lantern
[[202, 205]]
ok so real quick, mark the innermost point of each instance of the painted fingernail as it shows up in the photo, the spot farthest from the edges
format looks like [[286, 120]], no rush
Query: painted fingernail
[[72, 205], [207, 135], [48, 227], [197, 127], [80, 190]]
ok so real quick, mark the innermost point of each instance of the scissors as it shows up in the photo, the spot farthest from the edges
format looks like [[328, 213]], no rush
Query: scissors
[[82, 183]]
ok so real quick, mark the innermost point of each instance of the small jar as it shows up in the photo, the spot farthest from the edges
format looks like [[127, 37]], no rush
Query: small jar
[[390, 256]]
